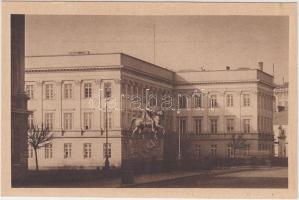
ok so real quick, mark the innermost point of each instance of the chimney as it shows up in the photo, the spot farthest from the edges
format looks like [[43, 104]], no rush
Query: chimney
[[261, 66], [227, 67]]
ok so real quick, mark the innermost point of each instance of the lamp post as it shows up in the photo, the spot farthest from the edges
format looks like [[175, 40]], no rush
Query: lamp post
[[179, 124], [107, 96]]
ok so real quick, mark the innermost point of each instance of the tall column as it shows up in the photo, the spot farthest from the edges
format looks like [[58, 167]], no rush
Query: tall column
[[117, 110], [98, 105], [206, 112], [58, 98], [38, 115]]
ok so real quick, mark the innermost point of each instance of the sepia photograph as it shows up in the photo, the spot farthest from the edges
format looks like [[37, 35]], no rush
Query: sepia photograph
[[150, 101]]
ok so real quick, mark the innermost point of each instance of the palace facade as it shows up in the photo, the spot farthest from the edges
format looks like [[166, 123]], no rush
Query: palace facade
[[207, 109]]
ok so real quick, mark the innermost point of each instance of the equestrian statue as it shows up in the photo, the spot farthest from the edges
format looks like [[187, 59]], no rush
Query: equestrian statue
[[150, 119]]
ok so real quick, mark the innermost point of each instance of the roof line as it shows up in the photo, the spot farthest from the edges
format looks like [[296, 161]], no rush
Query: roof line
[[61, 55]]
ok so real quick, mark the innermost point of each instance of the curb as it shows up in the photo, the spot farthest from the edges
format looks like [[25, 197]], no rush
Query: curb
[[187, 176]]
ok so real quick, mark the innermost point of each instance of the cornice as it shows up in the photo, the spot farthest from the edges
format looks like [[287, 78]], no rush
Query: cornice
[[147, 75], [73, 68]]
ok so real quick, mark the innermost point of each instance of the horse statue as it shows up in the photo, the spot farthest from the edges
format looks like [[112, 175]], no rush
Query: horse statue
[[148, 119]]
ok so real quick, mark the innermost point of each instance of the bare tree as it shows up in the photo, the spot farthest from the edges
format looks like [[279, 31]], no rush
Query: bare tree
[[37, 138], [238, 142]]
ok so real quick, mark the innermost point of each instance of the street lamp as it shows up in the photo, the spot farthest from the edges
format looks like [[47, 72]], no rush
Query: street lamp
[[107, 96], [179, 124]]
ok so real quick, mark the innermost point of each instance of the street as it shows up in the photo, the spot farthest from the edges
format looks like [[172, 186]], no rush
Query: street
[[259, 178], [235, 177]]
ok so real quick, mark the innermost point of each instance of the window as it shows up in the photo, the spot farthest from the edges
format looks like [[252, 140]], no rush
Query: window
[[128, 119], [87, 90], [107, 90], [67, 150], [197, 101], [30, 151], [31, 121], [87, 120], [29, 91], [213, 101], [86, 150], [153, 101], [197, 123], [197, 150], [229, 100], [182, 101], [246, 100], [107, 151], [48, 151], [182, 125], [49, 91], [49, 121], [230, 152], [213, 126], [68, 91], [68, 121], [246, 125], [213, 150], [230, 125], [109, 120]]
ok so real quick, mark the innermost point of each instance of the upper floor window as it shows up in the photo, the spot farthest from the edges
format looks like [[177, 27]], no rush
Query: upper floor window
[[87, 90], [182, 101], [49, 120], [197, 126], [246, 100], [68, 91], [49, 91], [48, 151], [30, 91], [246, 125], [213, 101], [197, 101], [87, 120], [182, 125], [213, 126], [230, 125], [68, 121], [153, 101], [87, 150], [107, 90], [109, 117], [229, 100]]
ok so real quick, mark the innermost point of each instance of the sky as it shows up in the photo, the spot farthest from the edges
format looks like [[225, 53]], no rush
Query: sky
[[174, 42]]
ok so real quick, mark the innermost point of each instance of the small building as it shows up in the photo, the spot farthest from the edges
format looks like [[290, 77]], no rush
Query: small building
[[280, 123]]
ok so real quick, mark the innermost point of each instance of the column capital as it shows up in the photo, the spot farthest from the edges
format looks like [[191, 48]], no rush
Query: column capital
[[98, 81], [78, 82], [117, 81], [58, 83], [39, 83]]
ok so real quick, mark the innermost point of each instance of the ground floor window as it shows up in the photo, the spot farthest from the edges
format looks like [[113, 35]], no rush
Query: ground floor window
[[87, 150], [48, 151], [230, 152], [67, 150], [107, 150], [213, 150]]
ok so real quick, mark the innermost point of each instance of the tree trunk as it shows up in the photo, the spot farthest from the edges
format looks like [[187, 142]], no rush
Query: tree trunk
[[36, 162]]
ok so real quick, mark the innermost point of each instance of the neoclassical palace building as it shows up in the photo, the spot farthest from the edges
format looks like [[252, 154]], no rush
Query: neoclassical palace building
[[68, 94]]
